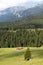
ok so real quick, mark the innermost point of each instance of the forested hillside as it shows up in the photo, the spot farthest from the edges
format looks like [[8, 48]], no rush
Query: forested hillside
[[21, 37], [22, 24]]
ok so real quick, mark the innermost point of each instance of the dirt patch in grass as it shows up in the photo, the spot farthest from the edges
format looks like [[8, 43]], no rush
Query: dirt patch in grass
[[19, 48]]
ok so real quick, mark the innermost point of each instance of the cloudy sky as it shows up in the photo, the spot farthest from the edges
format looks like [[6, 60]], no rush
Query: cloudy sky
[[9, 3]]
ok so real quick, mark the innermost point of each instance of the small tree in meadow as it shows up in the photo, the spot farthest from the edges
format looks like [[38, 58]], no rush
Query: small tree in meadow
[[27, 54]]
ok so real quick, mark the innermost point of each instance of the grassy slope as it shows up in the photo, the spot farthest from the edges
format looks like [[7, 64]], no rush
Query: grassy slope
[[12, 56], [37, 21]]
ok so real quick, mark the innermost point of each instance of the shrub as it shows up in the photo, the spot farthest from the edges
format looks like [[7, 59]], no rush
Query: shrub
[[27, 54]]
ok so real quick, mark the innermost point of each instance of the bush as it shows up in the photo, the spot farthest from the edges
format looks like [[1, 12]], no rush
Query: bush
[[27, 54]]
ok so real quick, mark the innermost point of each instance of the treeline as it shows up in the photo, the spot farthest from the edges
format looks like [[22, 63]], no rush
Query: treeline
[[21, 37], [22, 24]]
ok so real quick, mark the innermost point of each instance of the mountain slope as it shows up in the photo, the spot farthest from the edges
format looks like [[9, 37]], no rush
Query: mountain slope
[[11, 14], [20, 12]]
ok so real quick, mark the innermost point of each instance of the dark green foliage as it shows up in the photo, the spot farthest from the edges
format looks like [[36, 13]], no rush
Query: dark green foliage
[[27, 54], [19, 33], [21, 37]]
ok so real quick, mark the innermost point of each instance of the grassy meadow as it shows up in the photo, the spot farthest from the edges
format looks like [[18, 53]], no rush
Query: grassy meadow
[[13, 56]]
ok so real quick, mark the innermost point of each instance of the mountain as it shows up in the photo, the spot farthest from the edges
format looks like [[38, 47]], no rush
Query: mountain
[[34, 11], [12, 13], [21, 12]]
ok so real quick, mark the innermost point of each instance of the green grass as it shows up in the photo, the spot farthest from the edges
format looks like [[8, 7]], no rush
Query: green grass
[[37, 21], [12, 56]]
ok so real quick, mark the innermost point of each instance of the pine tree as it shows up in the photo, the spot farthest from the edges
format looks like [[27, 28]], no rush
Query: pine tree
[[27, 54]]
